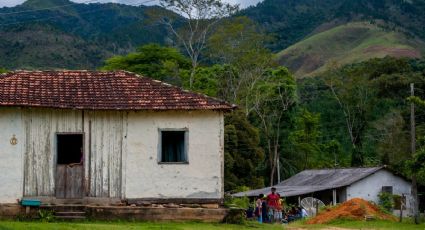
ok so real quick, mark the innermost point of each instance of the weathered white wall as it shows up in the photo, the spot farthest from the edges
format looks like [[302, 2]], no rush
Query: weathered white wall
[[201, 178], [40, 128], [11, 171], [29, 168], [371, 186], [122, 157]]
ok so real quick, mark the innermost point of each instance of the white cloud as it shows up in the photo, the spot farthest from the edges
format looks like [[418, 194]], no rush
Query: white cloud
[[243, 3]]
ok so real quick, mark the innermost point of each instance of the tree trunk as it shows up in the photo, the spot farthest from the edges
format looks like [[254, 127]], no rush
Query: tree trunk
[[192, 77]]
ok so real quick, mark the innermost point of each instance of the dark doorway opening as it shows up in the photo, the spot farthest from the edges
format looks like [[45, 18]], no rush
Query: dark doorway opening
[[69, 168], [70, 148]]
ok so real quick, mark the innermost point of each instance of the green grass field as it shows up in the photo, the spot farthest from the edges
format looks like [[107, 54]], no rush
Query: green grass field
[[339, 225], [130, 226], [375, 225], [352, 42]]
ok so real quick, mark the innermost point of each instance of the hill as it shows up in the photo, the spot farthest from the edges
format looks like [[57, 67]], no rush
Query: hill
[[348, 43], [62, 34], [292, 20]]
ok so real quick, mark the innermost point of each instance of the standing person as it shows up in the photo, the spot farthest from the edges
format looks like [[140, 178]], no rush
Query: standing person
[[264, 209], [280, 207], [273, 203], [258, 208]]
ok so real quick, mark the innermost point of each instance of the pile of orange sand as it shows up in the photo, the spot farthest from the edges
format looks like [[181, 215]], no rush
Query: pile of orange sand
[[354, 209]]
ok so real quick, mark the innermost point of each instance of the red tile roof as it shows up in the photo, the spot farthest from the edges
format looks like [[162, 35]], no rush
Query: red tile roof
[[98, 90]]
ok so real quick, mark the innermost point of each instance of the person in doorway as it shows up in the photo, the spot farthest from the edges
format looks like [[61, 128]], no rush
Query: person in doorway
[[273, 204]]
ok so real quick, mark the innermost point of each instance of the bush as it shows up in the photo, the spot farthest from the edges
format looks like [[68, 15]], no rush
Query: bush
[[236, 202], [386, 201]]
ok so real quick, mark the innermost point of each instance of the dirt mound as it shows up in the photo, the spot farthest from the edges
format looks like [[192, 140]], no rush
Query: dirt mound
[[355, 209]]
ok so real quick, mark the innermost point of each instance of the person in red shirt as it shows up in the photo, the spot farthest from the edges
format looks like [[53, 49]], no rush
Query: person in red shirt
[[273, 204]]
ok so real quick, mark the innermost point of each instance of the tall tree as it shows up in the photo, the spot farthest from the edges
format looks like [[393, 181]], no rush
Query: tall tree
[[355, 96], [240, 43], [200, 18], [271, 99]]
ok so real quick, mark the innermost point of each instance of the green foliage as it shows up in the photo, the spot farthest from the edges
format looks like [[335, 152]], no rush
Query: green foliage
[[237, 202], [242, 153], [154, 61], [386, 201], [46, 215], [305, 141], [3, 70], [79, 36]]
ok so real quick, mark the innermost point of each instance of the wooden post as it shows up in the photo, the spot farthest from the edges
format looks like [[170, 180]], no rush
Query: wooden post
[[334, 197], [413, 150]]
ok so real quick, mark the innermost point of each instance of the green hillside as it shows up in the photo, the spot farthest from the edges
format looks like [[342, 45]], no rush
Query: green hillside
[[292, 20], [56, 34], [352, 42]]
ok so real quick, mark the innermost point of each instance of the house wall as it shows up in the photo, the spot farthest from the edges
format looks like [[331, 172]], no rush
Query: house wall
[[369, 187], [11, 176], [202, 177], [120, 153], [29, 168]]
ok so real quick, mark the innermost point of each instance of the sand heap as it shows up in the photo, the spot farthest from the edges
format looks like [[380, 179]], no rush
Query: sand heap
[[354, 209]]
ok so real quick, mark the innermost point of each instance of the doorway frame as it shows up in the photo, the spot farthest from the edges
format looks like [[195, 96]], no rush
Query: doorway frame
[[83, 136]]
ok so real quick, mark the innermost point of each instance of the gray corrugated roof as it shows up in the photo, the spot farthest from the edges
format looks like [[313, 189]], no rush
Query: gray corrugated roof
[[309, 181]]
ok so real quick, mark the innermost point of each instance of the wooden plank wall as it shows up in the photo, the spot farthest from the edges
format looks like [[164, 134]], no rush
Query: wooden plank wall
[[107, 135], [105, 131], [40, 127]]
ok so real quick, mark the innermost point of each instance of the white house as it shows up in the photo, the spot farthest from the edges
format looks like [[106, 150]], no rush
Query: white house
[[334, 186], [109, 136]]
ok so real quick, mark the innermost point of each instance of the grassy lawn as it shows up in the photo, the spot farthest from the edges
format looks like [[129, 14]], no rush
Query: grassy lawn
[[130, 225], [375, 225]]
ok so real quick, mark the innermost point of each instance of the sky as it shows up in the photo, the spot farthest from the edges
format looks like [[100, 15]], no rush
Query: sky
[[243, 3]]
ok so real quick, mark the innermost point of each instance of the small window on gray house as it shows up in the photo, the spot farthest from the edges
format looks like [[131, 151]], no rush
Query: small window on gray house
[[387, 189], [173, 146]]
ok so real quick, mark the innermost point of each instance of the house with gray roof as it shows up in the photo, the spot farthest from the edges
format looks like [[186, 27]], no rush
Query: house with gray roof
[[334, 186]]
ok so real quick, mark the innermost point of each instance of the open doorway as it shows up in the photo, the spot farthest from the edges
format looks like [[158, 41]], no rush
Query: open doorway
[[69, 168], [70, 149]]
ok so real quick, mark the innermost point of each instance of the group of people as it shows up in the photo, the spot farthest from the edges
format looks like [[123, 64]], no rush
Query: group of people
[[271, 209]]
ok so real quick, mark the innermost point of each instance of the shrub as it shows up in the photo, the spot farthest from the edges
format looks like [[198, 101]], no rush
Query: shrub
[[386, 201]]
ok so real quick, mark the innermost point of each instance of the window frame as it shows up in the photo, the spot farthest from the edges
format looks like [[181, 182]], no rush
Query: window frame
[[186, 145]]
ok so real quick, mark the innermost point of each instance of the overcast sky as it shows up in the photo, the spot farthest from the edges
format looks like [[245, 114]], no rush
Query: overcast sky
[[243, 3]]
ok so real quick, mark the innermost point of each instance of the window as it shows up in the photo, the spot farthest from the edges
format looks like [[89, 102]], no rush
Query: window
[[387, 189], [173, 146], [69, 148]]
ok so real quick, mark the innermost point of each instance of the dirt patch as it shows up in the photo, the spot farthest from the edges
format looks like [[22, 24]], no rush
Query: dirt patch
[[394, 52], [354, 209]]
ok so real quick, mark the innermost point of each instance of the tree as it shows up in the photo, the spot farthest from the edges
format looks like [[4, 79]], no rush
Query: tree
[[242, 153], [239, 43], [200, 18], [152, 60], [272, 97], [351, 89], [2, 70]]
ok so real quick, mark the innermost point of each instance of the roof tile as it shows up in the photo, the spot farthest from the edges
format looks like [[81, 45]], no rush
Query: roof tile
[[97, 90]]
